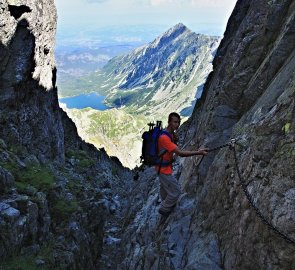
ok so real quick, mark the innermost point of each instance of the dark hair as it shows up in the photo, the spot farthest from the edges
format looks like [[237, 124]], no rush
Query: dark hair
[[173, 114]]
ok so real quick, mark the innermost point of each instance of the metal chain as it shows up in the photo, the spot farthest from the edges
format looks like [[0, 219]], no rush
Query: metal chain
[[219, 147], [250, 199], [231, 144]]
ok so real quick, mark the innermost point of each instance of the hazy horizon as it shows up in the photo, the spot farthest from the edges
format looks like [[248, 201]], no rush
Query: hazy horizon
[[201, 16]]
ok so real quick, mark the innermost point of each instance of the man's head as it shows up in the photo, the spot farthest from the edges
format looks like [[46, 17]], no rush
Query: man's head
[[173, 121]]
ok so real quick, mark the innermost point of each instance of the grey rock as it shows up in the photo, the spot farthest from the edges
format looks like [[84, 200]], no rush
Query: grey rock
[[32, 214], [27, 32], [3, 144], [3, 206], [4, 156], [39, 262], [6, 180], [224, 117], [31, 250], [109, 240], [10, 214], [31, 190], [31, 161]]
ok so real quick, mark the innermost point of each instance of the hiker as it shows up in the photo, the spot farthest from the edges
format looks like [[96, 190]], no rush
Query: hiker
[[169, 187]]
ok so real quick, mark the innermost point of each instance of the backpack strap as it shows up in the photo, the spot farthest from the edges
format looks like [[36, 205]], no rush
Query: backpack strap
[[166, 163], [165, 132]]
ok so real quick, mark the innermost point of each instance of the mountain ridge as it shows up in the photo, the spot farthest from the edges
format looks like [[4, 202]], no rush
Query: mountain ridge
[[168, 70], [174, 65]]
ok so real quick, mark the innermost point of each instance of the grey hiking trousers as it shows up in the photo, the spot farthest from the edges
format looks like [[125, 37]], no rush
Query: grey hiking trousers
[[169, 191]]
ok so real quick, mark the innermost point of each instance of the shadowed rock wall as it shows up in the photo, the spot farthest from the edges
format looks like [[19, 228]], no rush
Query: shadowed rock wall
[[29, 107], [56, 191]]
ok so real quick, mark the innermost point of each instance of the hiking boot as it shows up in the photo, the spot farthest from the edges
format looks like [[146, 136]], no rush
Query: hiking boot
[[164, 213]]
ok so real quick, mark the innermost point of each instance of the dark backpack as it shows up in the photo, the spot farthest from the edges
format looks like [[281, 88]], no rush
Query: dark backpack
[[150, 154]]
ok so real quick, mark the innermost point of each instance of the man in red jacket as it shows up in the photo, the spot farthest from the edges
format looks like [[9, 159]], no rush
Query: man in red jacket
[[169, 187]]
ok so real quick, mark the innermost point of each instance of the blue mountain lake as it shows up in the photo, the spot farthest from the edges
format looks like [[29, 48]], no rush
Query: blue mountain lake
[[91, 100]]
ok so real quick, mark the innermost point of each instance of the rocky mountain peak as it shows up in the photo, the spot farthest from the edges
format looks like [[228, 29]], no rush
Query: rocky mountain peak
[[178, 26], [177, 61], [175, 32]]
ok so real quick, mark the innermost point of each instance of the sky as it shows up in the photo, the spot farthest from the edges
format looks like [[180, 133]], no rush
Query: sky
[[202, 16]]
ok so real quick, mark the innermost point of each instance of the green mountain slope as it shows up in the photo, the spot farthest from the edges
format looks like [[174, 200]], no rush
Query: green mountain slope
[[115, 130]]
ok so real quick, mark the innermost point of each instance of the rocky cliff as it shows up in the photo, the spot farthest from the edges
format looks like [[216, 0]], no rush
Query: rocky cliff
[[250, 96], [65, 205], [56, 191]]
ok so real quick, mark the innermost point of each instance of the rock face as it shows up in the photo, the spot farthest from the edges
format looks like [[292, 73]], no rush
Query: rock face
[[28, 93], [249, 95], [54, 188], [65, 205]]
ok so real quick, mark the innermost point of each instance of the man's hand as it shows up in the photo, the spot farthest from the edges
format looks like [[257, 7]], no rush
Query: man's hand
[[203, 151]]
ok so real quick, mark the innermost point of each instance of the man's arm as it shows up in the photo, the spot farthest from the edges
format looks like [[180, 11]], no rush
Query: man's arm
[[187, 153]]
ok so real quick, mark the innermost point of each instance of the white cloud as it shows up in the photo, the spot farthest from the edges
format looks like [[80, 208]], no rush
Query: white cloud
[[192, 3], [96, 1], [196, 14], [157, 3], [212, 3], [127, 39]]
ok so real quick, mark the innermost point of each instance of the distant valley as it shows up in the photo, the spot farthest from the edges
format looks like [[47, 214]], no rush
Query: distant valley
[[143, 85], [74, 63], [80, 52]]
